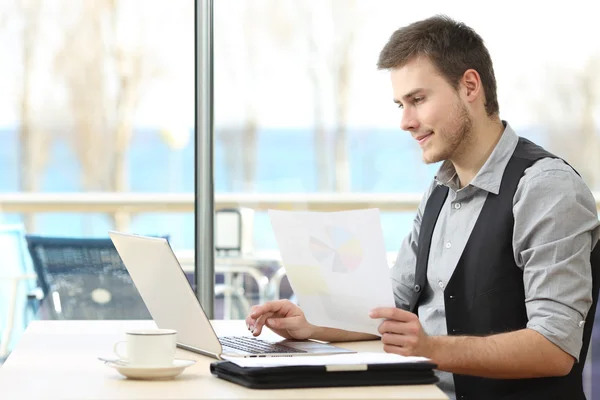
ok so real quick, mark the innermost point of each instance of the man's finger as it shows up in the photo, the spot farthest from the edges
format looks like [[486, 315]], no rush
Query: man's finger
[[271, 306], [249, 320], [396, 350], [275, 323], [395, 327], [403, 341], [392, 313], [257, 328]]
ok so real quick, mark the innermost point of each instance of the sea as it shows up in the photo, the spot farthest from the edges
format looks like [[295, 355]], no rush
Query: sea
[[380, 161]]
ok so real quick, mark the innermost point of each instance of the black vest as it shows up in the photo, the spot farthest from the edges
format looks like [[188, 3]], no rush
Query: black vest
[[486, 295]]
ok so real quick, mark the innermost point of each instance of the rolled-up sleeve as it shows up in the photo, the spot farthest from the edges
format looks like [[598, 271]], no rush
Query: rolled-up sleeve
[[556, 227]]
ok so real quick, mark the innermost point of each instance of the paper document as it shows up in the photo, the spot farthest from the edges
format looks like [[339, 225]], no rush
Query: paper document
[[336, 264], [335, 359]]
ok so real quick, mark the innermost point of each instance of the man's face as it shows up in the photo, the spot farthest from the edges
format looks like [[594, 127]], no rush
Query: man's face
[[432, 110]]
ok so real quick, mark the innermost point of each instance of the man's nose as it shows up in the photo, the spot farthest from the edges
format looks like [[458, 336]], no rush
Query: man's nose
[[409, 121]]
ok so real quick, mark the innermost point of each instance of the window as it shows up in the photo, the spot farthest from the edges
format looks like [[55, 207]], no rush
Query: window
[[97, 123]]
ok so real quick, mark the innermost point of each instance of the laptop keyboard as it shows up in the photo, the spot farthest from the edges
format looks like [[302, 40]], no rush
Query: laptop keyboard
[[256, 346]]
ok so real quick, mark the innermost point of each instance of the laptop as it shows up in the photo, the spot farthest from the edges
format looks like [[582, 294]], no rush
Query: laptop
[[163, 286]]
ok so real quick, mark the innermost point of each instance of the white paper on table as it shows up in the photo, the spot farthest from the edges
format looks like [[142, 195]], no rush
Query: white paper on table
[[336, 264], [335, 359]]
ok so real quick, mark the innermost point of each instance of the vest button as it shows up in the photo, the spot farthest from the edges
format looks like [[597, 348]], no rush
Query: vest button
[[417, 288]]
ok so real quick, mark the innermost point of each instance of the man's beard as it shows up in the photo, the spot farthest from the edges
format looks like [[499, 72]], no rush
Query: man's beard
[[455, 136]]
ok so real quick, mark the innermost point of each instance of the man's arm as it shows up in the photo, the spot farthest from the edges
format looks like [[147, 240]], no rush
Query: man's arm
[[520, 354], [556, 226]]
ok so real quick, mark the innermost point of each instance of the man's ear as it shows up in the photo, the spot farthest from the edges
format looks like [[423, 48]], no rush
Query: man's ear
[[472, 84]]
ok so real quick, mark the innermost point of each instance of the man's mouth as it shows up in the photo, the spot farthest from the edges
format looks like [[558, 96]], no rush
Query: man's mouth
[[423, 138]]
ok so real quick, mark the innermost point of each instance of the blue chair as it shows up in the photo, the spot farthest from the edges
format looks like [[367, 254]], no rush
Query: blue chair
[[17, 278], [84, 279]]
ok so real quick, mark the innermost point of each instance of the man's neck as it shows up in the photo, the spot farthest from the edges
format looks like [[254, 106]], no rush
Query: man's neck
[[477, 149]]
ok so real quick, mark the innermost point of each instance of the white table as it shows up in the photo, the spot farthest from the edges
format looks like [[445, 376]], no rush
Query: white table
[[57, 360]]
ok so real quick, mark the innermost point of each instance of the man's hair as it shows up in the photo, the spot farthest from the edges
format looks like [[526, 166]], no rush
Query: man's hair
[[451, 46]]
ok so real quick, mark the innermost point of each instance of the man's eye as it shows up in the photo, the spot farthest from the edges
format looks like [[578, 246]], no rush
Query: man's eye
[[400, 106], [418, 100]]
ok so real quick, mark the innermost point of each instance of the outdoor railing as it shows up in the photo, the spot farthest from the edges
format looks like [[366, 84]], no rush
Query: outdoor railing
[[184, 202]]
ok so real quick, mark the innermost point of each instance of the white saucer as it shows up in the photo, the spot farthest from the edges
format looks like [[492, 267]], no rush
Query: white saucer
[[143, 372]]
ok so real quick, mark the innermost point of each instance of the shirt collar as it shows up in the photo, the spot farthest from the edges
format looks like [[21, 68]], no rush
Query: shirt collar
[[490, 175]]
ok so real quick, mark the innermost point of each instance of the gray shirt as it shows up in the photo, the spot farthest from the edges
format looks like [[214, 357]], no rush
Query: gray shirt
[[556, 226]]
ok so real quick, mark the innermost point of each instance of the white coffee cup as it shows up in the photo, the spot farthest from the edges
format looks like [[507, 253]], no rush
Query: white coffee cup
[[148, 347]]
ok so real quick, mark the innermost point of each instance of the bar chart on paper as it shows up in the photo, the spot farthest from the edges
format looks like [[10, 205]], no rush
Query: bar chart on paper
[[345, 253]]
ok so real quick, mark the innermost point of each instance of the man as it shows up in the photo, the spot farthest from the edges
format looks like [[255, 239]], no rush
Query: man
[[494, 282]]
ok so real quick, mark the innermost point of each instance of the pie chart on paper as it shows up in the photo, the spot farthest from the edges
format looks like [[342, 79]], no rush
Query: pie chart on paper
[[344, 254]]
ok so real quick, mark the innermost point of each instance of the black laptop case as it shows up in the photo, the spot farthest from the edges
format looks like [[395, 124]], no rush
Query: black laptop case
[[284, 377]]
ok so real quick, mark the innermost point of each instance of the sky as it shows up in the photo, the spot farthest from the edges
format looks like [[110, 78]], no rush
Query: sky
[[261, 59]]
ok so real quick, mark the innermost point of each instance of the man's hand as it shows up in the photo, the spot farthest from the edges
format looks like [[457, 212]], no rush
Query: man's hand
[[402, 332], [287, 320], [512, 355], [283, 317]]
